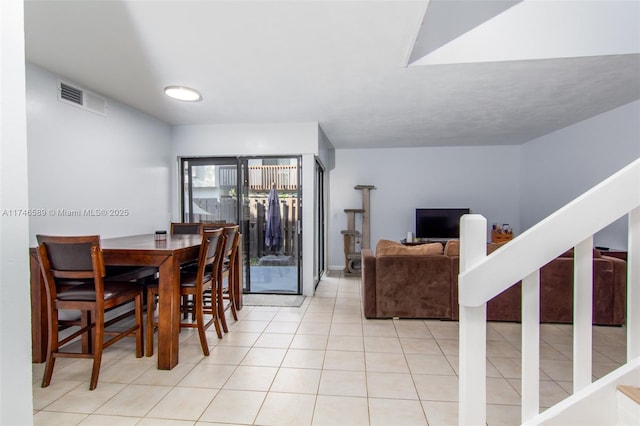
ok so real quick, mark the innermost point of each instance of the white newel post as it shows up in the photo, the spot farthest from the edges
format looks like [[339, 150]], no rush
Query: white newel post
[[472, 407]]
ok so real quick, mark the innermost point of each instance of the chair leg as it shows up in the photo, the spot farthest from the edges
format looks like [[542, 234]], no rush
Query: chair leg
[[97, 349], [52, 345], [151, 309], [185, 302], [223, 320], [140, 325], [193, 311], [86, 339], [48, 370], [211, 308], [199, 315], [220, 306], [216, 323], [231, 294]]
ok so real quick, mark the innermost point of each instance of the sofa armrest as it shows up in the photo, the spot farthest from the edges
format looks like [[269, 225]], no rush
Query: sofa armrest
[[368, 283]]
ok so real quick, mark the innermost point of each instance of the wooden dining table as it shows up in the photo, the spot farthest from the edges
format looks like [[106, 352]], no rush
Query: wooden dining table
[[138, 250]]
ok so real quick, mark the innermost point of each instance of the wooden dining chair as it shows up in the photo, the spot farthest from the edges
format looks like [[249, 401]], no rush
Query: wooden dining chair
[[73, 270], [229, 273], [194, 228], [185, 228], [192, 288]]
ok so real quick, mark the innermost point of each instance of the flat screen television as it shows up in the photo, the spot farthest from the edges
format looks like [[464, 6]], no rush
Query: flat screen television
[[438, 224]]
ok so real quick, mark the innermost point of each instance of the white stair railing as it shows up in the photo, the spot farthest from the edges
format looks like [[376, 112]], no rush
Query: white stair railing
[[483, 277]]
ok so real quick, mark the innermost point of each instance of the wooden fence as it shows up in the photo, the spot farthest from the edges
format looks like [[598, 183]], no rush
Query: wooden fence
[[289, 215], [261, 180], [225, 211]]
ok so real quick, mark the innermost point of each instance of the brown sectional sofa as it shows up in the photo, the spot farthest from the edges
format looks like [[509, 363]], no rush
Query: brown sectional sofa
[[422, 282]]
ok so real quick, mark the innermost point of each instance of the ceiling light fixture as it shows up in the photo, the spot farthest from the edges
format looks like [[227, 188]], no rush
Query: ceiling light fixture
[[182, 93]]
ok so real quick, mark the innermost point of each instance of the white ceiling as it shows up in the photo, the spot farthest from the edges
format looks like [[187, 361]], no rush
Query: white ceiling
[[511, 71]]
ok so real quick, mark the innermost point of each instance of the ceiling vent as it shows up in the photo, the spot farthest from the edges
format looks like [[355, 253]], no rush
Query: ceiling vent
[[82, 98]]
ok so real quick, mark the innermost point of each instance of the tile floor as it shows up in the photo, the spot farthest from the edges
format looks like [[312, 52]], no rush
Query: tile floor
[[320, 364]]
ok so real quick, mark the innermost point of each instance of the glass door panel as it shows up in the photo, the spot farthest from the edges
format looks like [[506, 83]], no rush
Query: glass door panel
[[273, 225], [210, 190]]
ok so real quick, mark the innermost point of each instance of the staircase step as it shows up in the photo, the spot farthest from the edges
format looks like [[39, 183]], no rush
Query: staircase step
[[628, 399], [632, 392]]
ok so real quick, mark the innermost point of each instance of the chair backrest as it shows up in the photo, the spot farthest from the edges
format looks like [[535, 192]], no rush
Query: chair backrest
[[233, 235], [186, 228], [217, 224], [71, 260], [231, 231], [211, 250]]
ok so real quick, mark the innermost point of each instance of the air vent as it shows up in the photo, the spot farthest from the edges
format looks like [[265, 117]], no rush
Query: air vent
[[82, 98], [70, 93]]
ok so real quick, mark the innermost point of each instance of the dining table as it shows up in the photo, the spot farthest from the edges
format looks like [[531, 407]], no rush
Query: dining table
[[167, 255]]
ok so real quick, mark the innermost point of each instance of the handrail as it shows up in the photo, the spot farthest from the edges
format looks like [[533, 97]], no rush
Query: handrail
[[483, 277], [581, 218], [284, 177]]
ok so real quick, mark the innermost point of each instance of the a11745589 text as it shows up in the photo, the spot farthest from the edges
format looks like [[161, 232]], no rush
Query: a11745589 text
[[84, 212]]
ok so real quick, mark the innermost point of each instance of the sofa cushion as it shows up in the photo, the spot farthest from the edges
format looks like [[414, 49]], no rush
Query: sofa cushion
[[452, 248], [387, 247]]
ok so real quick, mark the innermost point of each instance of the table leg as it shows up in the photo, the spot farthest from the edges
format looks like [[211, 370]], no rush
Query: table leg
[[168, 313]]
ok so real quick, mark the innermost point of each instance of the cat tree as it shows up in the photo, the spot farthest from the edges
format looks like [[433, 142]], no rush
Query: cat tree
[[351, 236]]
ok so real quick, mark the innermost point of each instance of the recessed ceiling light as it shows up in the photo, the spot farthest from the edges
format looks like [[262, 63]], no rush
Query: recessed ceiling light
[[182, 93]]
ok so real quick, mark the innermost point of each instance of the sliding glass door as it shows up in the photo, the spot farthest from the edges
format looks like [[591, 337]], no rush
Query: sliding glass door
[[262, 194], [318, 226]]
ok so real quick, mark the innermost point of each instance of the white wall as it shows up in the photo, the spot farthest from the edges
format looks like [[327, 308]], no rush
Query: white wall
[[558, 167], [484, 179], [231, 140], [245, 139], [82, 160], [326, 152], [255, 139], [16, 405]]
